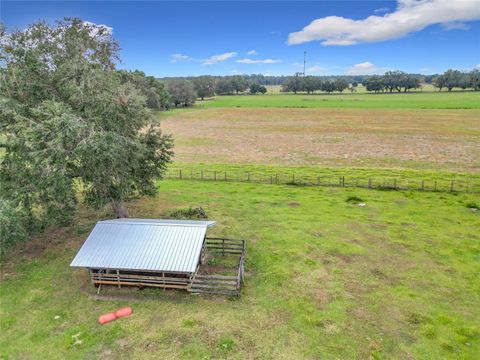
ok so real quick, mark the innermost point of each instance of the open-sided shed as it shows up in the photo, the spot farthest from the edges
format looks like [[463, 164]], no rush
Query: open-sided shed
[[157, 253]]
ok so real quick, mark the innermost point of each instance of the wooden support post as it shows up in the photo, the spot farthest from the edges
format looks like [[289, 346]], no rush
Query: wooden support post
[[451, 185], [276, 178], [118, 278], [369, 183], [435, 186], [395, 184], [180, 174], [293, 178], [423, 185]]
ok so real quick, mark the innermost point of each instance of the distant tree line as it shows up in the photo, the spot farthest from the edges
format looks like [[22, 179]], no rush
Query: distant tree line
[[183, 91], [163, 94]]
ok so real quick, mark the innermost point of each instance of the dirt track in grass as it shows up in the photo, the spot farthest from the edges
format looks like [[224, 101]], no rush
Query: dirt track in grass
[[435, 139]]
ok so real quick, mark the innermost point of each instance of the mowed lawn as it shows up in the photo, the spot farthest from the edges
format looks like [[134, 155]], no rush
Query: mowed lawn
[[434, 139], [413, 100], [325, 279]]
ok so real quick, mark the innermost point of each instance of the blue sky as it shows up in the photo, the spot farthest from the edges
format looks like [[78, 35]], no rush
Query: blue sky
[[224, 38]]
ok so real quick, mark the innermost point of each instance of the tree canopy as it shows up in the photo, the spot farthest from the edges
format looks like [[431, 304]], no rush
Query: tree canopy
[[181, 92], [70, 122], [204, 86]]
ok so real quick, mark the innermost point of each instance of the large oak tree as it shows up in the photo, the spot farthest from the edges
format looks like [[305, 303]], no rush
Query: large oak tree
[[70, 124]]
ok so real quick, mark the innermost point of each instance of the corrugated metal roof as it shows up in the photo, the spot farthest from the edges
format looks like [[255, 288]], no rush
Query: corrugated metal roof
[[165, 221], [144, 244]]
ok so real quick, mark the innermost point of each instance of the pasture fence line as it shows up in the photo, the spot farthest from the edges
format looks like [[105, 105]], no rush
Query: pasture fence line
[[452, 185]]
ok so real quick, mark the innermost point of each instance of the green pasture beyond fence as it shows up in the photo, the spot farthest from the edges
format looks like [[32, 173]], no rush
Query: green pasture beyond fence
[[322, 179]]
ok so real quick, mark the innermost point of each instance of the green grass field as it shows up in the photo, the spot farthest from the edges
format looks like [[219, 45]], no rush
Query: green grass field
[[325, 278], [414, 100], [395, 279]]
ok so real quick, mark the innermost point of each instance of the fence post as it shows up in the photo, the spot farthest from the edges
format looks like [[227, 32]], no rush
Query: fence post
[[271, 179], [395, 184], [276, 179], [369, 183], [343, 181], [214, 176], [435, 186], [451, 186], [293, 178], [423, 185], [180, 174]]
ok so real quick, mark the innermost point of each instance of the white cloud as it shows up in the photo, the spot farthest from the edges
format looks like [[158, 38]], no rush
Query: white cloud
[[95, 28], [218, 58], [456, 25], [365, 68], [409, 16], [381, 10], [315, 69], [252, 52], [178, 57], [264, 61]]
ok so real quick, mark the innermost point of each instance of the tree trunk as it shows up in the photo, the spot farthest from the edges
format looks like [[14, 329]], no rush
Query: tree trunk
[[119, 209]]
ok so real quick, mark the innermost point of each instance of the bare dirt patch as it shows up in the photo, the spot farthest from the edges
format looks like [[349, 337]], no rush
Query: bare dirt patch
[[346, 137]]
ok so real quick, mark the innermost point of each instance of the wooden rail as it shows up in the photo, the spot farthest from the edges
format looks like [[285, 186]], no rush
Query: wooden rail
[[221, 284]]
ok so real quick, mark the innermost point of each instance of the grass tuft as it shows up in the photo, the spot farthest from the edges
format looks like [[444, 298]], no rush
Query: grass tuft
[[186, 214], [354, 200]]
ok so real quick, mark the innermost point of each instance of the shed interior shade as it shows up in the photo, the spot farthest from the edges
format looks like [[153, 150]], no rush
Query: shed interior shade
[[144, 245]]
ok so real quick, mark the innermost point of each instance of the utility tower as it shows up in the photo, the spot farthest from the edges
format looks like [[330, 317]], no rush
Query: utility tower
[[304, 61]]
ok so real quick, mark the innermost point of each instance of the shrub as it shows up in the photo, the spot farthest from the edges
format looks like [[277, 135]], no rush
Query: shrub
[[187, 213], [12, 225]]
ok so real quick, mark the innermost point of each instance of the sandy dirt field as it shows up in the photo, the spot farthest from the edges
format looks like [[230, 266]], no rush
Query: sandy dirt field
[[417, 139]]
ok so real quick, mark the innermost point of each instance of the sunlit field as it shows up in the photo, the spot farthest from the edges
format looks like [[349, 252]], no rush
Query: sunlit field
[[360, 100]]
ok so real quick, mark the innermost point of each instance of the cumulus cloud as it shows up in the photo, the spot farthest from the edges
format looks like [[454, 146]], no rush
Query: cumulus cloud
[[178, 57], [264, 61], [410, 16], [364, 68], [252, 52], [218, 58]]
